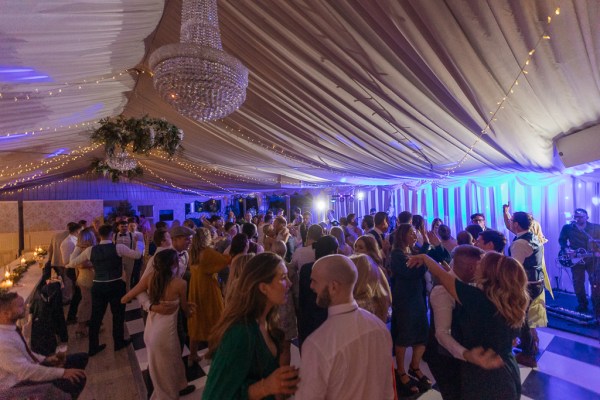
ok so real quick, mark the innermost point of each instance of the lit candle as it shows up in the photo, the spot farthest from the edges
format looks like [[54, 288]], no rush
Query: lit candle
[[39, 249], [35, 253], [9, 283], [23, 261], [7, 274]]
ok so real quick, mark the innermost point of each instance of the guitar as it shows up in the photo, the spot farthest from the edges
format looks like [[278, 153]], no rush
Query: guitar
[[569, 258]]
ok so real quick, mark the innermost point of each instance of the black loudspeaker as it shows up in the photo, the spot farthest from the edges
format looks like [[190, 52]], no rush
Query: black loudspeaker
[[580, 147]]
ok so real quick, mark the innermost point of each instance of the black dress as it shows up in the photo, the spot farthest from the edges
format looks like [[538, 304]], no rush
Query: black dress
[[480, 324], [409, 309]]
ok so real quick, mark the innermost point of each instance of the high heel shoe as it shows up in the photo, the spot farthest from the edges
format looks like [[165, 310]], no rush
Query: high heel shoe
[[406, 389], [424, 384]]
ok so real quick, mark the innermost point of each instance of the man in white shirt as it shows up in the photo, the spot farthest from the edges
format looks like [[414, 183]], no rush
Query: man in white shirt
[[108, 287], [66, 249], [127, 238], [19, 366], [349, 355], [444, 354]]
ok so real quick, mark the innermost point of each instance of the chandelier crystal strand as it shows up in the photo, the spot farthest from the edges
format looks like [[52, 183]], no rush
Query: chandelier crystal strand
[[121, 160], [196, 76]]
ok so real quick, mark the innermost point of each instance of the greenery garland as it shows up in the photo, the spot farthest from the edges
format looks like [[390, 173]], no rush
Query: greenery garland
[[136, 135], [143, 134], [16, 274], [101, 167]]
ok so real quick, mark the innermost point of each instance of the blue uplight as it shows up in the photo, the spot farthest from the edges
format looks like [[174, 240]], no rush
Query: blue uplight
[[56, 153], [12, 74]]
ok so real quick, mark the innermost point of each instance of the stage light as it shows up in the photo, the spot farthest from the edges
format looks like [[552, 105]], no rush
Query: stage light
[[320, 204], [595, 200], [360, 195]]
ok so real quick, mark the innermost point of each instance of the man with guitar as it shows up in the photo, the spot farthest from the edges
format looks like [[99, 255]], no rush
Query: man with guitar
[[576, 235]]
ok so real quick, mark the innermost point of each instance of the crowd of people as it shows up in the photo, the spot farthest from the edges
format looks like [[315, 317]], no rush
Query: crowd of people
[[248, 288]]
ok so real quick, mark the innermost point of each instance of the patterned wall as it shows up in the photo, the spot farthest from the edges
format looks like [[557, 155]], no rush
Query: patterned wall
[[9, 215], [56, 214]]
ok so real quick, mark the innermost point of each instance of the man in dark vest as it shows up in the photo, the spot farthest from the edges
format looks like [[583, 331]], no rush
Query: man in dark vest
[[526, 249], [108, 287]]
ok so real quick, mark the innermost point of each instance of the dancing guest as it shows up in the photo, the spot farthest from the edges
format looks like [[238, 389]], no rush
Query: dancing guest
[[332, 354], [526, 249], [435, 225], [238, 263], [409, 310], [245, 343], [205, 291], [367, 244], [160, 333], [352, 230], [85, 280], [108, 288], [446, 239], [478, 219], [66, 249], [371, 291], [338, 233], [491, 315]]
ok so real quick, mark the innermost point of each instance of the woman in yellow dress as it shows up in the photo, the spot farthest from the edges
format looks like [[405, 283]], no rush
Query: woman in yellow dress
[[205, 292]]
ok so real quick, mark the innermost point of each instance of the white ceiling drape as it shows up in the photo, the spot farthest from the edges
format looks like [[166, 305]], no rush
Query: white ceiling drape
[[369, 92]]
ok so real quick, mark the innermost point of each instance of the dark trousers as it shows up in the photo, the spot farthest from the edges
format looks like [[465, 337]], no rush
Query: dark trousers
[[135, 273], [76, 299], [103, 294], [528, 345], [47, 272], [579, 271], [77, 361], [446, 371]]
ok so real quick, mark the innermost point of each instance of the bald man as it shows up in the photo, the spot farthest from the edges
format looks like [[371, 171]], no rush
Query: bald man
[[349, 355]]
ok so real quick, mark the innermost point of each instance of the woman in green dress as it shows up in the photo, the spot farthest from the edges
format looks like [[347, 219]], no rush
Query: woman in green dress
[[489, 316], [245, 344]]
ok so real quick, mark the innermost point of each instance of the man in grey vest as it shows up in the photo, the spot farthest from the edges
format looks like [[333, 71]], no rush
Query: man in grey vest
[[526, 249], [108, 287]]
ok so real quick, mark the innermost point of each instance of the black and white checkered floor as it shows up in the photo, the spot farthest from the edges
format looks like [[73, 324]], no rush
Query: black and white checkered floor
[[569, 365]]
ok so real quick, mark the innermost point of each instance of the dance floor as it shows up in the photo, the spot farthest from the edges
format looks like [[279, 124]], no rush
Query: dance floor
[[569, 365]]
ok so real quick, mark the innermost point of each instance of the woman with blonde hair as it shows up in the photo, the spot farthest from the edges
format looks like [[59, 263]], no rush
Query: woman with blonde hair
[[338, 233], [85, 278], [491, 316], [205, 291], [371, 291], [246, 342]]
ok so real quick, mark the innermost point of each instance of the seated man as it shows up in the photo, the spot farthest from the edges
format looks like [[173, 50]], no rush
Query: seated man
[[19, 366]]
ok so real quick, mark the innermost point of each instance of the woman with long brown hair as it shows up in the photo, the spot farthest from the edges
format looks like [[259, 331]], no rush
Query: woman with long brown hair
[[409, 309], [491, 315], [371, 291], [246, 343], [160, 335], [366, 244]]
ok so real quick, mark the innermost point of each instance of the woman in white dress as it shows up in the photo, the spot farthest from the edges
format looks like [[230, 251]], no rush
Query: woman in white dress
[[160, 335]]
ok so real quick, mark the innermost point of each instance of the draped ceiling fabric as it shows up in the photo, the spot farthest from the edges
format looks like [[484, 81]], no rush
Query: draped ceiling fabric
[[341, 92]]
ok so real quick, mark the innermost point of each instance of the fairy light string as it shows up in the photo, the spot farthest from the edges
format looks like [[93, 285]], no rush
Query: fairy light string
[[500, 104]]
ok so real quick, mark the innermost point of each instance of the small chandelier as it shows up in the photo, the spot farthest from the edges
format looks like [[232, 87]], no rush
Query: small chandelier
[[121, 160], [196, 76]]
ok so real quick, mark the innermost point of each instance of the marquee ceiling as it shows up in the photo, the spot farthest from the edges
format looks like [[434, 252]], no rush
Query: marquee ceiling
[[340, 93]]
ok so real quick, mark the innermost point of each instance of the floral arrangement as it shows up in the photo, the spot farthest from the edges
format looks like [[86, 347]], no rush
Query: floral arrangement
[[141, 134], [101, 167], [15, 276], [123, 136]]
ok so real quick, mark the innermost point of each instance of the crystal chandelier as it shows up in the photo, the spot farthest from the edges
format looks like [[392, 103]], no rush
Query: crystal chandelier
[[121, 160], [196, 76]]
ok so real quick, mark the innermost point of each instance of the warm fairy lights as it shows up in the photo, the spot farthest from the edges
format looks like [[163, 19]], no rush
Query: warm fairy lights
[[501, 102], [76, 154], [40, 186], [191, 191], [195, 168], [43, 129], [56, 89], [8, 172]]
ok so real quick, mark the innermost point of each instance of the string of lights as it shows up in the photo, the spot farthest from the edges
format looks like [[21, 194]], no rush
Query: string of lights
[[42, 185], [191, 167], [146, 168], [44, 129], [49, 169], [500, 104], [32, 166]]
